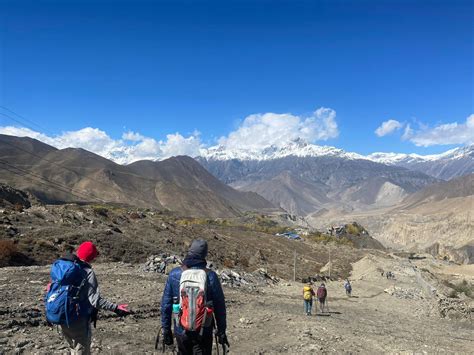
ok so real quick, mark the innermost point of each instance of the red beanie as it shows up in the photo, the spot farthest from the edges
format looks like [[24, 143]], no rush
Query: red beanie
[[87, 252]]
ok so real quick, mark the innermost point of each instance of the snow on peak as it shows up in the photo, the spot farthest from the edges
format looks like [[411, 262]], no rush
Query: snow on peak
[[301, 148], [397, 158], [297, 147]]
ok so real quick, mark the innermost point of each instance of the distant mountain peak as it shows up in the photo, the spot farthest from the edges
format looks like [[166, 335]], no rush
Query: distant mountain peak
[[296, 147], [398, 158]]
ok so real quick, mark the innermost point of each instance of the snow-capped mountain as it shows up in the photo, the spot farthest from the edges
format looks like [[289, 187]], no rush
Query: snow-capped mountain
[[297, 148], [399, 158], [450, 164], [304, 178], [447, 165]]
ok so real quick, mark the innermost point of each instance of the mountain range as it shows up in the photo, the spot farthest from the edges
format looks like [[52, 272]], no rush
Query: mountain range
[[76, 175], [400, 206], [445, 166], [453, 163], [299, 177], [304, 178]]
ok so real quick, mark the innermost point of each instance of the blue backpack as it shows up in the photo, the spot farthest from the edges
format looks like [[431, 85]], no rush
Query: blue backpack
[[62, 302]]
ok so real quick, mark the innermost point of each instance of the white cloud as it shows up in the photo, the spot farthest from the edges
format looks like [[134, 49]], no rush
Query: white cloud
[[388, 127], [176, 144], [261, 130], [132, 147], [449, 133], [26, 132], [132, 136], [256, 131], [407, 132]]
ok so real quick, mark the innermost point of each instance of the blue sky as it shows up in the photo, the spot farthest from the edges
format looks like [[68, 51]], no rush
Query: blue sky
[[162, 67]]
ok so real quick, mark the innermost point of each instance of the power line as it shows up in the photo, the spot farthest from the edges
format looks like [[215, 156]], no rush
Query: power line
[[47, 160], [22, 117], [42, 183], [54, 163], [17, 121], [65, 167], [58, 186], [53, 183]]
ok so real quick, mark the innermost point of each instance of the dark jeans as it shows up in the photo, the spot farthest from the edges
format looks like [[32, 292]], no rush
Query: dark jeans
[[193, 344]]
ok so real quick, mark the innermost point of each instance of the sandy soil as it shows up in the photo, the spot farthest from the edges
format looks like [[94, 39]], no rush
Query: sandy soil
[[263, 320]]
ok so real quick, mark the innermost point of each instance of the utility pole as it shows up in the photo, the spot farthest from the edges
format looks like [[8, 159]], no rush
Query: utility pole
[[329, 262], [294, 267]]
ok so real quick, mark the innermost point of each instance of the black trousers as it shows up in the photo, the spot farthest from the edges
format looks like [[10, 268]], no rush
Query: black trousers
[[193, 344]]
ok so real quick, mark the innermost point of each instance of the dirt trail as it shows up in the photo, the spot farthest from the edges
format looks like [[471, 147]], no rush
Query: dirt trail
[[266, 320]]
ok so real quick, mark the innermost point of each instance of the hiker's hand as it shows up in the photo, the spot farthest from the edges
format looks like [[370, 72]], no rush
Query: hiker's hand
[[167, 337], [222, 339], [122, 310]]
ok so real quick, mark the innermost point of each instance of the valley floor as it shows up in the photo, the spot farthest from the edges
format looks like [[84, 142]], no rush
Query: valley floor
[[263, 320]]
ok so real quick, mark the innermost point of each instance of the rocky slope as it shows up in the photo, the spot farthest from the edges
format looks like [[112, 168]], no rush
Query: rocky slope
[[438, 218], [10, 197]]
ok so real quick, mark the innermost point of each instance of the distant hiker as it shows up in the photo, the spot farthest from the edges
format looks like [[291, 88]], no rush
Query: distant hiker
[[348, 287], [201, 305], [308, 294], [73, 298], [321, 294]]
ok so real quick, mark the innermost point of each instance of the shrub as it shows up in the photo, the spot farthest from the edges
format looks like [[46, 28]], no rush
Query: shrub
[[43, 243], [18, 207], [466, 288], [462, 287], [353, 229], [453, 294], [228, 263], [7, 252], [38, 214], [319, 237], [100, 211], [244, 261], [135, 215]]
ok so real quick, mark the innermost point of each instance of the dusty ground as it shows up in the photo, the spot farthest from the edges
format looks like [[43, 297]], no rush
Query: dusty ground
[[264, 320]]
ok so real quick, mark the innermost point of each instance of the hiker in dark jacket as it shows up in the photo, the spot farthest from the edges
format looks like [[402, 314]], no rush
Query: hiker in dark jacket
[[348, 287], [78, 334], [190, 342]]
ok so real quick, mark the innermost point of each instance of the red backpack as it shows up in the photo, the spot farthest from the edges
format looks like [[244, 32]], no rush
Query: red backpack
[[322, 292], [195, 313]]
